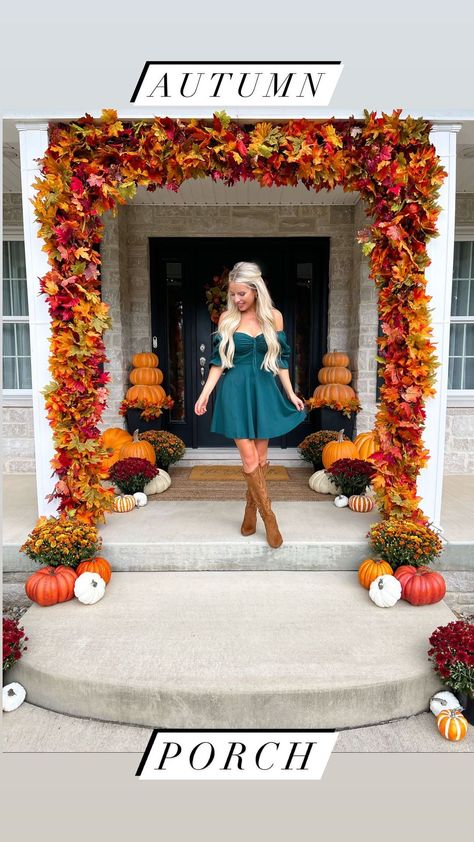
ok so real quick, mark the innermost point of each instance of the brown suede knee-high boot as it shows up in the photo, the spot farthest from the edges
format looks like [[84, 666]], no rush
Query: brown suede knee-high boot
[[258, 488], [249, 523]]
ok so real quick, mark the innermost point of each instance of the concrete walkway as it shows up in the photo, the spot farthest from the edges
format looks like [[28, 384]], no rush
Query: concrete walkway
[[33, 729], [231, 650]]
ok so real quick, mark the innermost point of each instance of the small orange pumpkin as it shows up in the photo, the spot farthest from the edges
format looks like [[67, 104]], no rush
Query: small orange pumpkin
[[334, 374], [339, 449], [96, 565], [336, 358], [360, 503], [371, 569], [146, 376], [138, 449], [146, 360], [452, 724]]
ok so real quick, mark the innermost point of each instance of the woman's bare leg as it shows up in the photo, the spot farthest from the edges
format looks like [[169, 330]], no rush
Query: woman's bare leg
[[248, 454], [262, 450]]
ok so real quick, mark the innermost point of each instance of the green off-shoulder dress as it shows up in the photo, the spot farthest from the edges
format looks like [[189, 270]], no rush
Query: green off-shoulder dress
[[249, 404]]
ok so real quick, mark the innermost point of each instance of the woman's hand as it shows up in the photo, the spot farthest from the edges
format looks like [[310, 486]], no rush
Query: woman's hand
[[297, 401], [200, 407]]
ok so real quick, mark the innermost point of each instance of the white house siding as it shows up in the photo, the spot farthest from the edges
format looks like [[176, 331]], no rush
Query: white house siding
[[352, 318]]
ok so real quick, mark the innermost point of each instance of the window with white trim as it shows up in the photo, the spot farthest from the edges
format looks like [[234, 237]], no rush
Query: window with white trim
[[16, 331], [461, 340]]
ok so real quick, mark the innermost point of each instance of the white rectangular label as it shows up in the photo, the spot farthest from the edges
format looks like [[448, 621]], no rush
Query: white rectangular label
[[226, 84], [236, 755]]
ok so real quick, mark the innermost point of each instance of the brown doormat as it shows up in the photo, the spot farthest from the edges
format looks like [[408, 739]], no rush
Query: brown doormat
[[294, 488], [221, 473]]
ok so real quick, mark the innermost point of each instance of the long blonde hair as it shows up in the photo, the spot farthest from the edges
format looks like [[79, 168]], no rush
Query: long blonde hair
[[250, 275]]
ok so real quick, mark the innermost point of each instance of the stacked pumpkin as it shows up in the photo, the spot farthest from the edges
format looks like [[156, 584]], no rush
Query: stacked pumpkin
[[146, 379], [334, 379]]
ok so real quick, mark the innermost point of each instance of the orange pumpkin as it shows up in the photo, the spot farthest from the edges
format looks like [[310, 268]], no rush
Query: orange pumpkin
[[370, 569], [336, 358], [360, 503], [339, 449], [138, 449], [334, 374], [146, 376], [366, 444], [452, 724], [146, 394], [114, 437], [51, 585], [147, 360], [96, 565], [334, 392]]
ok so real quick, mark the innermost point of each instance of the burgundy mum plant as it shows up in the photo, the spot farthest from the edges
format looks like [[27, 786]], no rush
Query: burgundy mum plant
[[352, 476], [452, 653], [14, 639], [131, 475]]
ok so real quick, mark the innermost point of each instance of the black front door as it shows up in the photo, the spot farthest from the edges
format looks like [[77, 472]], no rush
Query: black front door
[[295, 270]]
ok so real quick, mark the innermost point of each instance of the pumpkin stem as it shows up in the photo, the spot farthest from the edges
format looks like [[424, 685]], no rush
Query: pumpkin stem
[[341, 435], [380, 584], [135, 435], [11, 692]]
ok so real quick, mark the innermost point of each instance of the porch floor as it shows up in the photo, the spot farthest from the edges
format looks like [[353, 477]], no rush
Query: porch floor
[[199, 535]]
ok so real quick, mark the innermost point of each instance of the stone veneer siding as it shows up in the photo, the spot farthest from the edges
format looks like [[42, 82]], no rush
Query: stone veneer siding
[[352, 318]]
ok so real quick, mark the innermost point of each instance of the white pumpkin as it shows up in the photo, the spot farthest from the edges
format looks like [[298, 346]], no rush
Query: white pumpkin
[[385, 591], [322, 483], [340, 501], [140, 499], [158, 484], [89, 588], [443, 700], [14, 695]]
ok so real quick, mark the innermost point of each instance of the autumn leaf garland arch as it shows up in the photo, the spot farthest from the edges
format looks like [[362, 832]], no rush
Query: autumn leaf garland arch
[[90, 166]]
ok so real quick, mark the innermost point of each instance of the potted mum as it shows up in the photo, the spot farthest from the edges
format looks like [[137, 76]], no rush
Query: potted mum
[[352, 476], [14, 640], [452, 655], [405, 542], [168, 447], [131, 474], [61, 541], [311, 448]]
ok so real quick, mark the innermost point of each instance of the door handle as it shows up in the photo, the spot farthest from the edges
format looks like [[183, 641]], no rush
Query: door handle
[[202, 363]]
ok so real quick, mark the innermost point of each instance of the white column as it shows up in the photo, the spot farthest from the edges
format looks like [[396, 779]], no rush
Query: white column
[[439, 282], [33, 144]]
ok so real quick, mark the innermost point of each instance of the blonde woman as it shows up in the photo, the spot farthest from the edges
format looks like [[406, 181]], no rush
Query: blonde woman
[[250, 347]]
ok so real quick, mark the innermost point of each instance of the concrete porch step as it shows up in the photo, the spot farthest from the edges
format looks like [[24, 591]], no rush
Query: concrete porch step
[[231, 650]]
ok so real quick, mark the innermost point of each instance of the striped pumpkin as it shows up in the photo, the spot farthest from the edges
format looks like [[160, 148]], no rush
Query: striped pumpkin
[[124, 503], [452, 724], [360, 503]]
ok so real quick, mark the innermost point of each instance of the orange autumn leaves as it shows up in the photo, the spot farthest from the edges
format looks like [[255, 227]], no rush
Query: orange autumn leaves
[[92, 166]]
